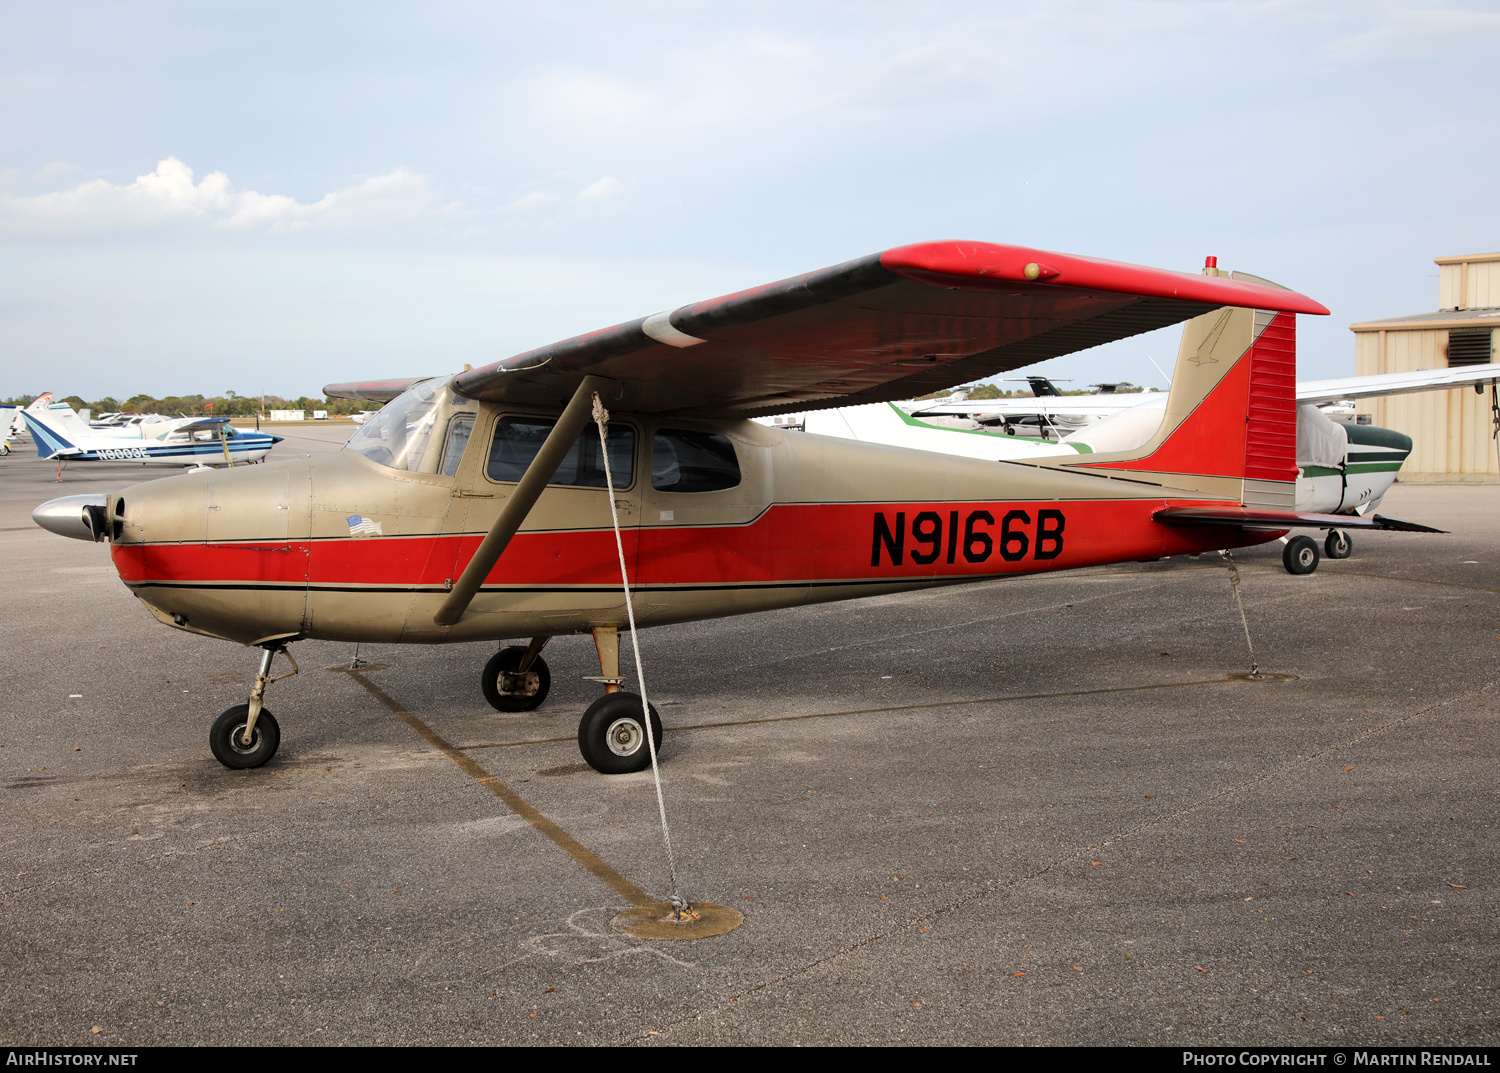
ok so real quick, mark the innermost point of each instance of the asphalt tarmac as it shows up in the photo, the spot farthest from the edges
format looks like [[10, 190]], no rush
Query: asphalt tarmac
[[1025, 812]]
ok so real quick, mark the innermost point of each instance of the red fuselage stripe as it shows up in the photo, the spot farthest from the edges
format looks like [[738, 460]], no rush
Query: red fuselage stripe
[[786, 544]]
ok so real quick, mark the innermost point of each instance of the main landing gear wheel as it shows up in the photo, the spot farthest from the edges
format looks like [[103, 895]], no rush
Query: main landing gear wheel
[[612, 735], [1300, 555], [224, 737], [509, 690], [1338, 545]]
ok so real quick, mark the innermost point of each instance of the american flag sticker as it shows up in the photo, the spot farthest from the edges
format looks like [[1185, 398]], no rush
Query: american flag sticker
[[359, 526]]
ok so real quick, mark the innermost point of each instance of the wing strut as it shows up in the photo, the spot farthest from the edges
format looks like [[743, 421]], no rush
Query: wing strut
[[528, 490]]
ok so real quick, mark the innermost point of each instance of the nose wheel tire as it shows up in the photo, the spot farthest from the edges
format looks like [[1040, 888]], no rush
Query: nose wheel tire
[[507, 690], [612, 734], [1300, 555], [224, 738], [1338, 545]]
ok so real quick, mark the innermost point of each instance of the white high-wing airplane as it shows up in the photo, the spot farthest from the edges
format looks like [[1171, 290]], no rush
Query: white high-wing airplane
[[123, 424], [1342, 468], [202, 441], [1079, 411]]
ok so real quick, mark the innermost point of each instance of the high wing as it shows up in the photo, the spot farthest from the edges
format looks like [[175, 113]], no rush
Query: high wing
[[196, 425], [1318, 392], [889, 326], [381, 391]]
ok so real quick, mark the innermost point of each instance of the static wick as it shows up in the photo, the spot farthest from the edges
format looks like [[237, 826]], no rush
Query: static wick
[[1234, 588]]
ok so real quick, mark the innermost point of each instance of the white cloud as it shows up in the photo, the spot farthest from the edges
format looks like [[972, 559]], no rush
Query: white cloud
[[168, 195], [535, 200], [597, 191]]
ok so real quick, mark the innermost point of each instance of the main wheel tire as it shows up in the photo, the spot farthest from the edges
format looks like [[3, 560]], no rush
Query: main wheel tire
[[513, 696], [224, 738], [611, 736], [1339, 545], [1300, 555]]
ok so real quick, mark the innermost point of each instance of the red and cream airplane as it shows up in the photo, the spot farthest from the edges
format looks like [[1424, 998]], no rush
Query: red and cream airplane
[[474, 507]]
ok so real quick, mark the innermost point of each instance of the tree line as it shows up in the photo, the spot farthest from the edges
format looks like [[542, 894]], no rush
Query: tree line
[[229, 404]]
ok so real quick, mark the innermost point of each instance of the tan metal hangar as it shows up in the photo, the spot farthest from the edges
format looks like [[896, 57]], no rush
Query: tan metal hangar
[[1451, 431]]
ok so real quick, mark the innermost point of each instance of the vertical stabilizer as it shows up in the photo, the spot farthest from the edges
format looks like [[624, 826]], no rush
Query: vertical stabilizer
[[50, 442], [1230, 427]]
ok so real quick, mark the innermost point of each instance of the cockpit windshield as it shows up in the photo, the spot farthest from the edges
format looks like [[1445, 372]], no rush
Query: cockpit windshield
[[400, 434]]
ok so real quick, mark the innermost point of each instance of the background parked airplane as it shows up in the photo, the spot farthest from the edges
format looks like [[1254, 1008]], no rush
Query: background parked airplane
[[61, 434]]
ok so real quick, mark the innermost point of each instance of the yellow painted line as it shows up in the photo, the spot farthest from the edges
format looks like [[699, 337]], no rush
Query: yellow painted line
[[892, 708], [564, 841], [1413, 580]]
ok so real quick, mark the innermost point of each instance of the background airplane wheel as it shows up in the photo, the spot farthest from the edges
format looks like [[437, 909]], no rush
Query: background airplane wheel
[[1338, 545], [523, 696], [1300, 555], [611, 736], [224, 735]]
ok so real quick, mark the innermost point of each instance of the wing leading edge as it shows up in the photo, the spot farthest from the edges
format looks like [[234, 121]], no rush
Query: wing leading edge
[[889, 326]]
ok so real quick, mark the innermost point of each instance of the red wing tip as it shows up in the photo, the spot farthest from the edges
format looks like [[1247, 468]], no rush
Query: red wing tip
[[993, 263]]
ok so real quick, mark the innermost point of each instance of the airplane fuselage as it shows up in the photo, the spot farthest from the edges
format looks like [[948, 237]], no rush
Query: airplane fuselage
[[344, 548]]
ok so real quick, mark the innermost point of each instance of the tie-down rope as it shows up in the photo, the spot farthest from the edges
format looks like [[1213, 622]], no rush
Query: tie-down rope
[[601, 418], [1234, 588]]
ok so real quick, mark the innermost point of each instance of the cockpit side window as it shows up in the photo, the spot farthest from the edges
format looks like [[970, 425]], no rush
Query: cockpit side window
[[685, 461], [459, 431], [518, 439]]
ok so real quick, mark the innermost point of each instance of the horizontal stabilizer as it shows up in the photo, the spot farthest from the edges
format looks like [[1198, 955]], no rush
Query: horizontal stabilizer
[[1247, 518]]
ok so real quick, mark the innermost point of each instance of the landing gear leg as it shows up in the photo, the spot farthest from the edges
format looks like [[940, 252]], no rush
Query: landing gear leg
[[607, 644], [612, 733], [247, 735]]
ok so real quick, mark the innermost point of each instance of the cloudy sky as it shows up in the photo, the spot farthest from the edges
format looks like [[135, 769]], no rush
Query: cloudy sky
[[211, 196]]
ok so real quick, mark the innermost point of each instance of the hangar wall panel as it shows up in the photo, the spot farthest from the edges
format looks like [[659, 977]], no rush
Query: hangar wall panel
[[1450, 430]]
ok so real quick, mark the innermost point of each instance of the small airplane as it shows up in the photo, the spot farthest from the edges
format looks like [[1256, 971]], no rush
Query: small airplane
[[614, 480], [59, 433], [123, 423], [1058, 414]]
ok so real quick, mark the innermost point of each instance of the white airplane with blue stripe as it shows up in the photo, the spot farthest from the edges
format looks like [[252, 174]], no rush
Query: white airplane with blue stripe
[[59, 433]]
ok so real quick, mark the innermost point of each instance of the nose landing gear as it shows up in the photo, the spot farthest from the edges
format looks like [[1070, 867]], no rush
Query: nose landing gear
[[517, 679], [246, 735], [1338, 545]]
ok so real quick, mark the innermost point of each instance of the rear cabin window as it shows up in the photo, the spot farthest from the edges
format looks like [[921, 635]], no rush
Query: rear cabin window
[[684, 461], [518, 439]]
